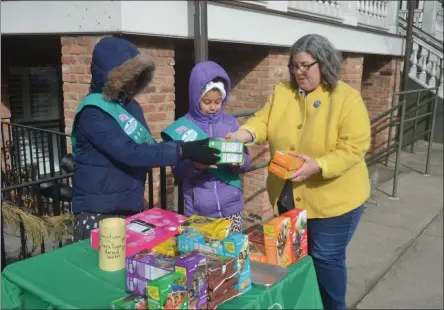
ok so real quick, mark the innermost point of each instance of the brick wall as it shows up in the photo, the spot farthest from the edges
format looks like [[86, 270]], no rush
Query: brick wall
[[157, 102], [351, 71], [380, 79]]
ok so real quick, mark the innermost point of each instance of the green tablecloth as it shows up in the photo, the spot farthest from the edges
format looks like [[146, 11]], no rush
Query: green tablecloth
[[69, 278]]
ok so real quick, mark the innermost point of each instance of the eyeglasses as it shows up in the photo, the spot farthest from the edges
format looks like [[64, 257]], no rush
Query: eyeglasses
[[302, 68]]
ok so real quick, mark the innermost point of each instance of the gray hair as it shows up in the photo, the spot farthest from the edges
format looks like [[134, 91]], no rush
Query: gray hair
[[322, 50]]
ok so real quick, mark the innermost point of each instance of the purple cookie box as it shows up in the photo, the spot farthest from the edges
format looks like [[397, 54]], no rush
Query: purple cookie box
[[150, 266], [195, 265], [136, 285]]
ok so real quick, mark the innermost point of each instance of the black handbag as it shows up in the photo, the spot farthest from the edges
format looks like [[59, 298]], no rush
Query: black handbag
[[286, 202]]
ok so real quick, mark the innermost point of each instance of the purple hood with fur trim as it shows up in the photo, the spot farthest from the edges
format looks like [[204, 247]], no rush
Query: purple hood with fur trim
[[203, 193]]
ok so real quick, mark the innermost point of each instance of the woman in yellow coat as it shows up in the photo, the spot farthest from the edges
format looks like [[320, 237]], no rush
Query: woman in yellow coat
[[326, 122]]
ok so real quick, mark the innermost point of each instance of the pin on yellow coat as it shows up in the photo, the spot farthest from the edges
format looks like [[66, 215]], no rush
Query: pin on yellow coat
[[333, 128]]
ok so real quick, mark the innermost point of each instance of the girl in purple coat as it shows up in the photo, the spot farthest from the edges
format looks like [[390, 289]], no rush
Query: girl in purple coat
[[204, 192]]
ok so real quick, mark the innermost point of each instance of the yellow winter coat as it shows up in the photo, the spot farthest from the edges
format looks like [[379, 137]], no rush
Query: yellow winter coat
[[331, 127]]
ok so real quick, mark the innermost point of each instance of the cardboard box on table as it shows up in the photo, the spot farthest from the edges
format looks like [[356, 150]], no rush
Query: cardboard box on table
[[278, 245], [286, 238], [298, 233], [166, 223], [235, 245], [168, 292], [193, 267], [145, 266]]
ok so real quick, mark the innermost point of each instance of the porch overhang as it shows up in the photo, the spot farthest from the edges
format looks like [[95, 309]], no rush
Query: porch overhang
[[226, 23]]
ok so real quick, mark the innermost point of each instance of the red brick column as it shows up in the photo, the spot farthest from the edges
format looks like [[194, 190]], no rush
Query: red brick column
[[351, 71], [157, 102], [381, 77]]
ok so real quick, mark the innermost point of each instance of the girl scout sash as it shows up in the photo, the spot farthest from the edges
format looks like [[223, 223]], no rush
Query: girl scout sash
[[132, 127], [185, 130]]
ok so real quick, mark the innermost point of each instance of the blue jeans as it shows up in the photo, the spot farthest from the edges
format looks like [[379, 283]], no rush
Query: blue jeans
[[327, 242]]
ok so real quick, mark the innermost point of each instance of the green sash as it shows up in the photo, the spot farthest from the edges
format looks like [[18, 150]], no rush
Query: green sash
[[185, 130], [132, 127]]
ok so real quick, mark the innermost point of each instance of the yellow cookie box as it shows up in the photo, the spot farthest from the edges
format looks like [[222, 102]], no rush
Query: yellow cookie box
[[208, 227], [168, 247]]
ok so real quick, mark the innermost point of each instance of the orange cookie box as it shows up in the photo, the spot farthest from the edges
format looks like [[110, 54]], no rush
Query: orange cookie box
[[278, 243], [298, 233], [284, 164]]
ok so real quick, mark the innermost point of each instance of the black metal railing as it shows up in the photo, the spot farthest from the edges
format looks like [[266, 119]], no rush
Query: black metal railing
[[44, 197], [35, 176], [396, 118], [31, 153]]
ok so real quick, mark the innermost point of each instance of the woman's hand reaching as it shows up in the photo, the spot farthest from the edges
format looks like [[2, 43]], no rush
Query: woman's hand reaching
[[241, 135], [309, 168]]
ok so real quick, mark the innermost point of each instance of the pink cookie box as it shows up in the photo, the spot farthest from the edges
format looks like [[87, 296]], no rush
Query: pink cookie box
[[166, 222]]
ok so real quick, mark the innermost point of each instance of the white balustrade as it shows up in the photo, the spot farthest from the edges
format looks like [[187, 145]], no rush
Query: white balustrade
[[426, 65], [321, 8], [372, 13], [378, 14]]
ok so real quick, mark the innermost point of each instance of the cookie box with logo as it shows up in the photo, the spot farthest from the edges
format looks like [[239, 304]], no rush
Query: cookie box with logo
[[193, 267], [278, 243], [149, 265], [214, 228], [131, 302], [236, 245], [168, 292], [136, 285], [298, 232], [256, 241], [165, 223], [193, 240], [232, 152]]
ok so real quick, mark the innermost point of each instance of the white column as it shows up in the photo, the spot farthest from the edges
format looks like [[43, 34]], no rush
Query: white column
[[392, 16], [422, 64], [349, 12], [430, 10], [433, 72], [414, 60]]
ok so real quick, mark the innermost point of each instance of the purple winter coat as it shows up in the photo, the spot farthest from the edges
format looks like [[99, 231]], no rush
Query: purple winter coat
[[203, 193]]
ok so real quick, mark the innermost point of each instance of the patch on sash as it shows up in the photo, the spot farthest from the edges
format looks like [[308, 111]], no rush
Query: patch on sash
[[190, 135], [181, 129], [123, 117], [130, 126]]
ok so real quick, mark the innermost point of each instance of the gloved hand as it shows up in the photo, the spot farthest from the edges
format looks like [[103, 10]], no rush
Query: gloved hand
[[198, 151]]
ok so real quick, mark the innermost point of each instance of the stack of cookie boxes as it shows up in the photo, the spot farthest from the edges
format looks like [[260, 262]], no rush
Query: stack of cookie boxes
[[227, 254], [206, 273], [231, 255], [167, 281], [284, 239]]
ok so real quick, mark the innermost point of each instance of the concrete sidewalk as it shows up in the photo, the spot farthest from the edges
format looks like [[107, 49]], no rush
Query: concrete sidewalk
[[395, 259]]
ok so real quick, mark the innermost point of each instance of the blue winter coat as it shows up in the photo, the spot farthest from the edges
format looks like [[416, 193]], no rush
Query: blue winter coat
[[110, 168]]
